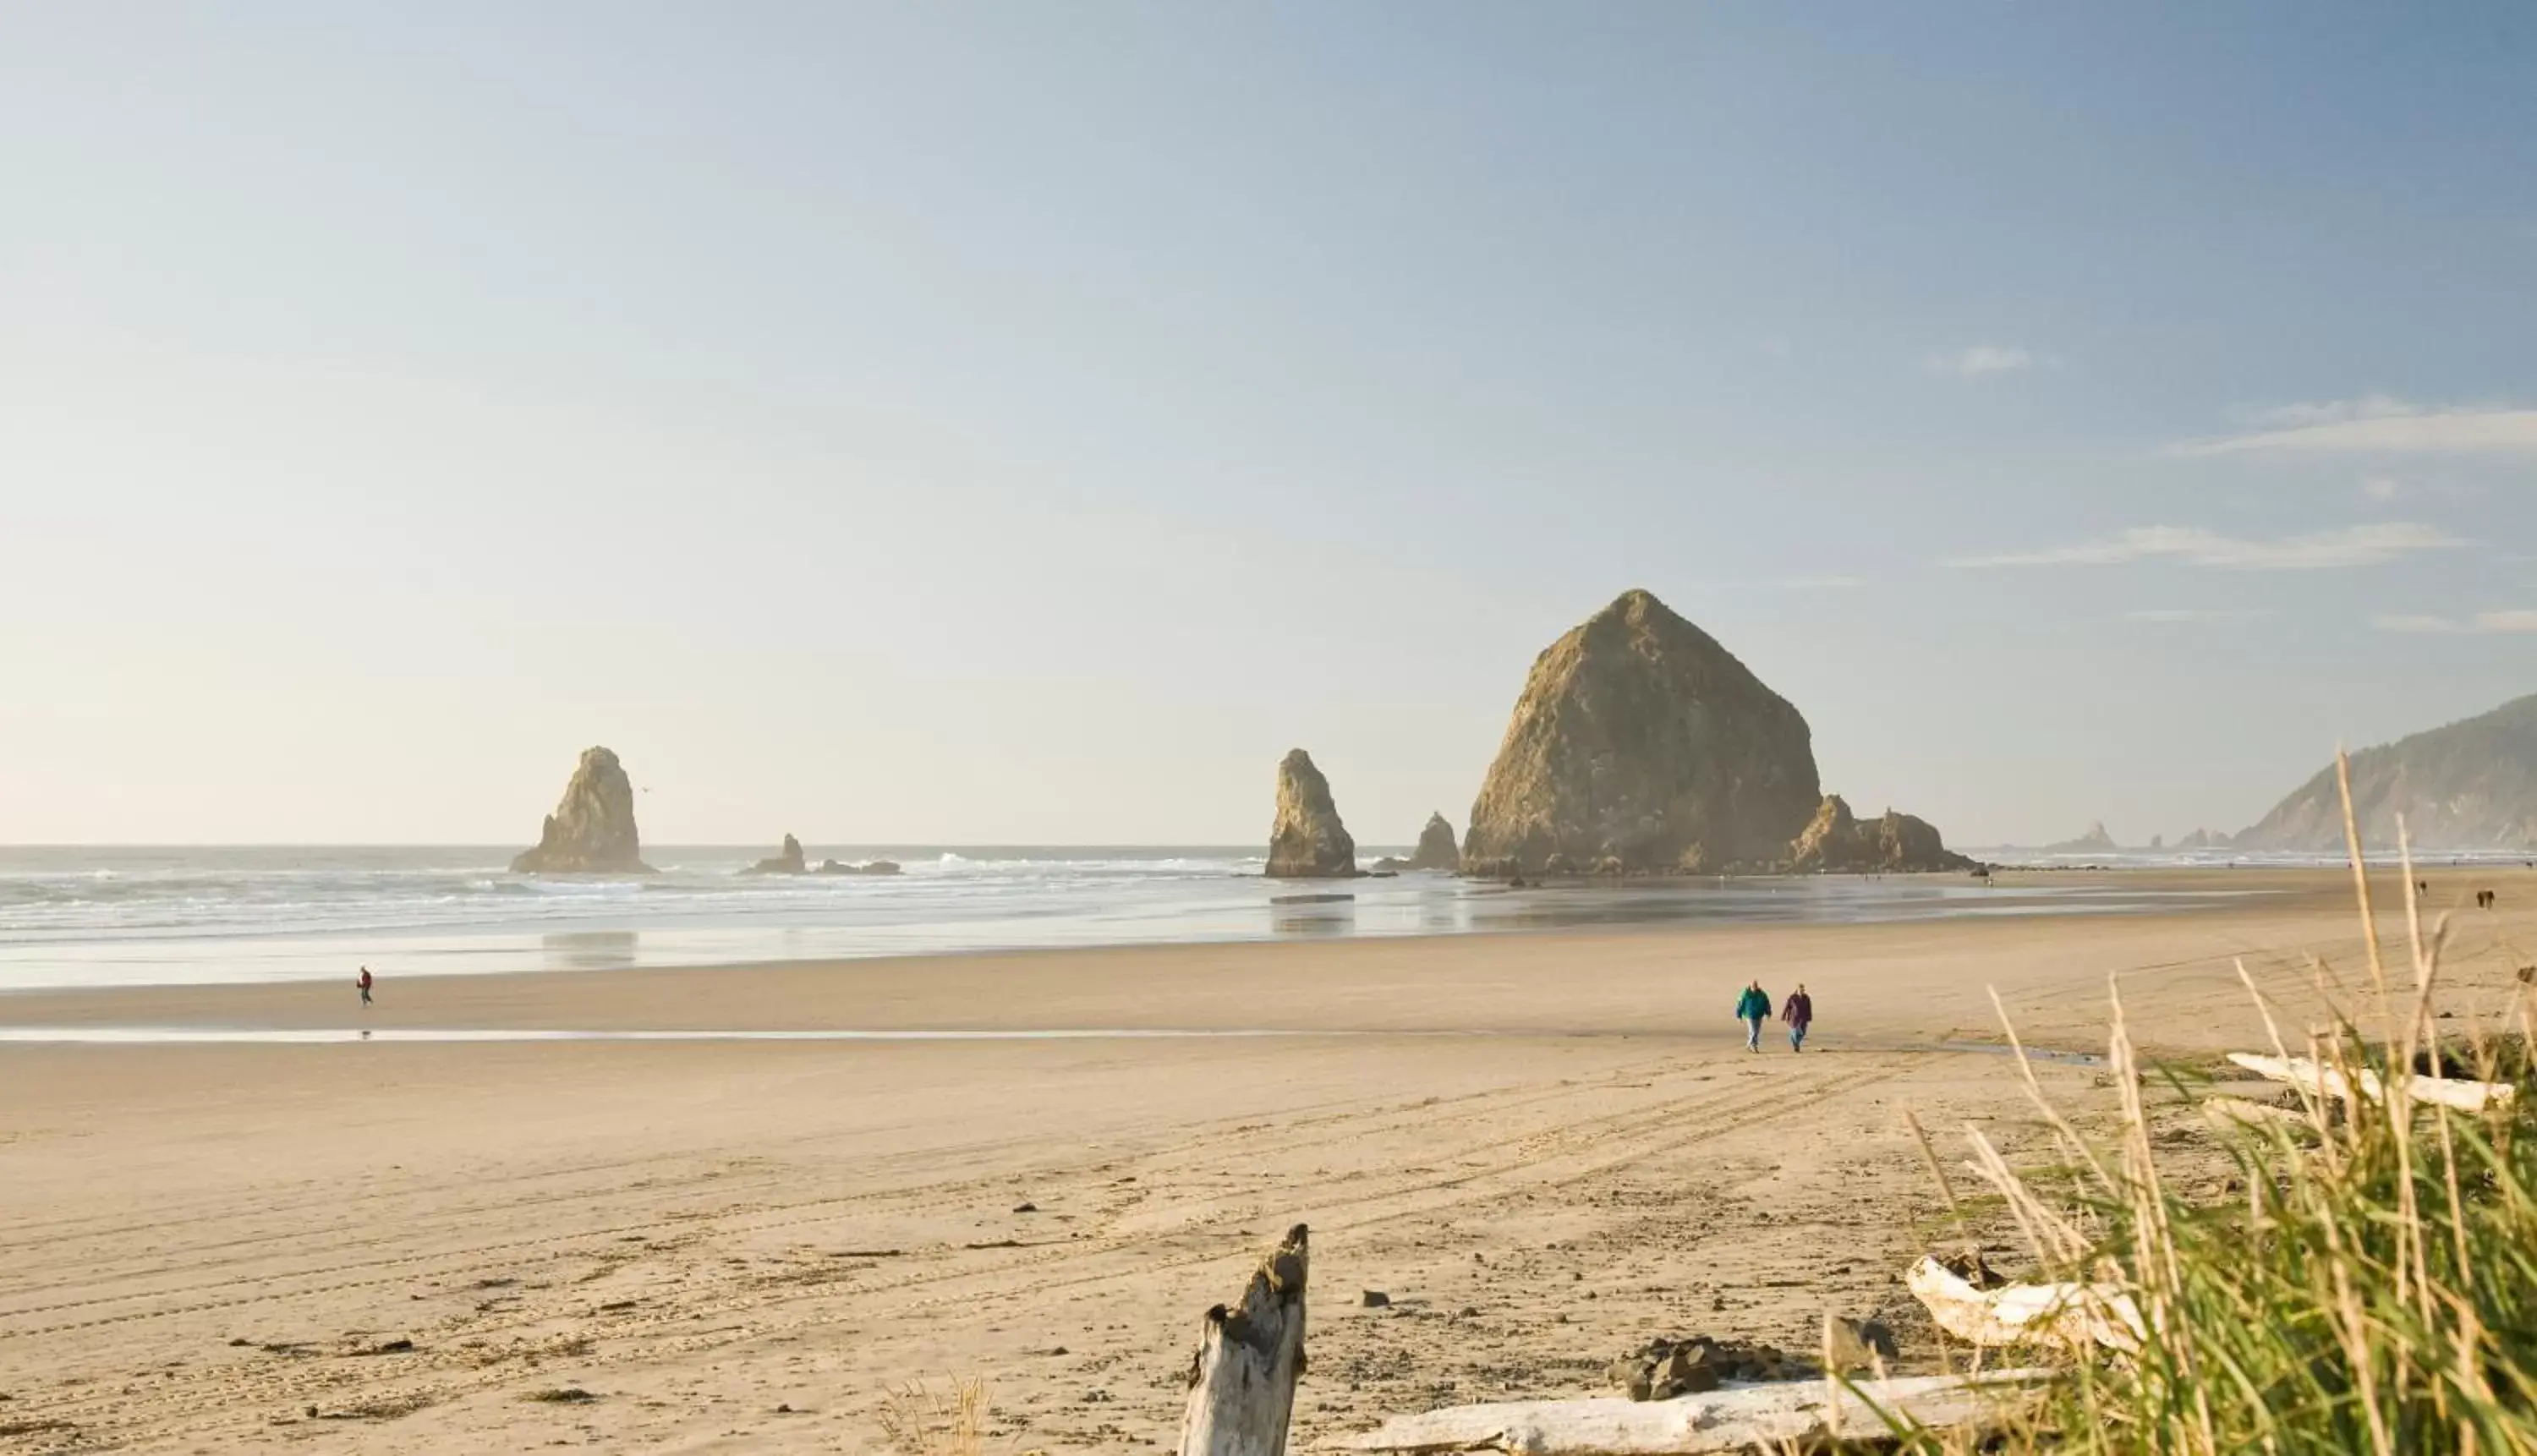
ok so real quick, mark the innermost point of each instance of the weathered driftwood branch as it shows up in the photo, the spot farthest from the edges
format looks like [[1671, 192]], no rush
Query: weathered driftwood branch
[[2067, 1317], [1242, 1383], [1731, 1419], [2303, 1072]]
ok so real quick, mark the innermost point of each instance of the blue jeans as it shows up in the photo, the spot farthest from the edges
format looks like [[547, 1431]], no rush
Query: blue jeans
[[1752, 1033], [1796, 1035]]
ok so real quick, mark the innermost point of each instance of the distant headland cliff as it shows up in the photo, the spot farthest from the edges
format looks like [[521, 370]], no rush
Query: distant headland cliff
[[2471, 785]]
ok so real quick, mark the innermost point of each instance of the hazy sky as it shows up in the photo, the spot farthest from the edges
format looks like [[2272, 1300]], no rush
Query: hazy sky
[[1024, 422]]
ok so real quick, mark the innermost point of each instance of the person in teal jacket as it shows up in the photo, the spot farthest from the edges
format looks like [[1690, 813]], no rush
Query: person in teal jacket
[[1753, 1008]]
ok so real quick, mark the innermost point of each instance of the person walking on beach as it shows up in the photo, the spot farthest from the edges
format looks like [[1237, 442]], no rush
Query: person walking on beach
[[1799, 1014], [1753, 1008], [365, 984]]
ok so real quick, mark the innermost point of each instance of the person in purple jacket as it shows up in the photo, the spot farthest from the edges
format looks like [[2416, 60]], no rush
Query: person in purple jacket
[[1798, 1013]]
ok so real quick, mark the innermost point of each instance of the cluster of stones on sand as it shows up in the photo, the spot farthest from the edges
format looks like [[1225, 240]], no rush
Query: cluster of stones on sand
[[1663, 1369]]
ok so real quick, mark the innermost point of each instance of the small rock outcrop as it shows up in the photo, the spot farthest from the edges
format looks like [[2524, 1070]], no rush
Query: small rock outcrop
[[592, 830], [1639, 738], [1830, 840], [1436, 847], [2093, 841], [1307, 841], [1837, 842], [2203, 838], [868, 866], [786, 861]]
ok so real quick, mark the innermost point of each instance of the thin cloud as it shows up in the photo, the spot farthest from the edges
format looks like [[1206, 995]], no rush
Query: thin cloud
[[2190, 614], [1819, 583], [1987, 358], [2350, 545], [2517, 621], [2327, 411], [2388, 489], [2376, 425]]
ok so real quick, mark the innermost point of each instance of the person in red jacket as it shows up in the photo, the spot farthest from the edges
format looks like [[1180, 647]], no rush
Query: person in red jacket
[[365, 984], [1798, 1013]]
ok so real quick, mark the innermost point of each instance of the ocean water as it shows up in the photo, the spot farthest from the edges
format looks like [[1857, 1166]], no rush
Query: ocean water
[[86, 917]]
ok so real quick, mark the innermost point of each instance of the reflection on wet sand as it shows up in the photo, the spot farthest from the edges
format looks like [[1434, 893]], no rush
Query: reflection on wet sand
[[1313, 914], [1819, 899], [592, 950]]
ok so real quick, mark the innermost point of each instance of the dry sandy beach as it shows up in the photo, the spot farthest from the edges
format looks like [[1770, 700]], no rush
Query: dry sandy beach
[[1545, 1148]]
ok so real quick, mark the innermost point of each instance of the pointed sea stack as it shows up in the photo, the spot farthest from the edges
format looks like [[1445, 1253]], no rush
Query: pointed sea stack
[[788, 860], [1436, 847], [592, 830], [1641, 744], [1307, 841]]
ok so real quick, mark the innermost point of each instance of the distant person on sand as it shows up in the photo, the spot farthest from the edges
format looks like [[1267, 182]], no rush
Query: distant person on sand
[[1799, 1014], [1753, 1008], [365, 984]]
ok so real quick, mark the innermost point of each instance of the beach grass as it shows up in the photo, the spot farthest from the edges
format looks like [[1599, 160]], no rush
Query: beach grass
[[918, 1420], [2369, 1284]]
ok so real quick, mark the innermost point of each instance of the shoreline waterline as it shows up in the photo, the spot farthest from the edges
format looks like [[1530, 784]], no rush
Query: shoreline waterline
[[93, 920], [205, 1035]]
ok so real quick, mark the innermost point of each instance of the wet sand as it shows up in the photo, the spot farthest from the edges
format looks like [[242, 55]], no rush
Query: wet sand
[[1545, 1148]]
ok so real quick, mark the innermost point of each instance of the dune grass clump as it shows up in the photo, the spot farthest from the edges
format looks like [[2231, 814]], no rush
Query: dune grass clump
[[2370, 1286], [918, 1421]]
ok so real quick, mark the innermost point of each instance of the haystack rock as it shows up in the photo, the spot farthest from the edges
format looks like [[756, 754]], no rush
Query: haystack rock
[[592, 830], [788, 860], [1436, 847], [1308, 841], [1639, 739], [1837, 842]]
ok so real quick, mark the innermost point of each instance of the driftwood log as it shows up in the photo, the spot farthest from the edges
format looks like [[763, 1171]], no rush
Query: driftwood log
[[1242, 1382], [1767, 1417], [2320, 1081], [2067, 1317]]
